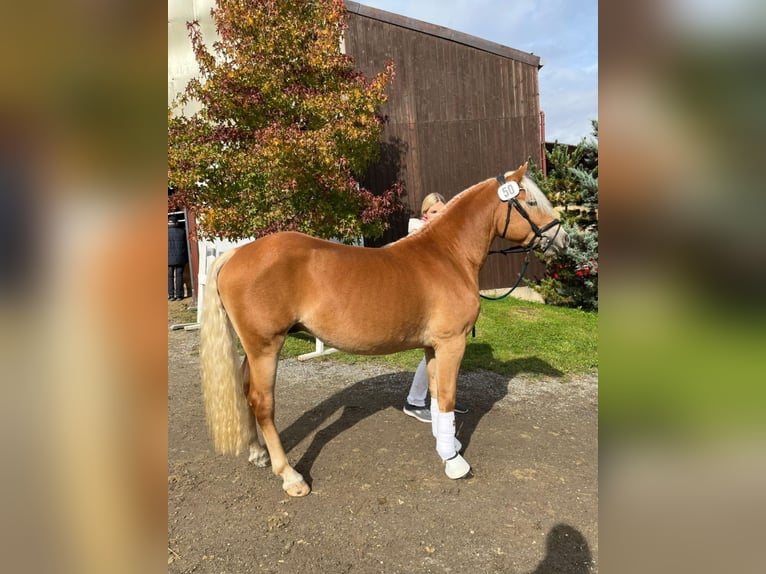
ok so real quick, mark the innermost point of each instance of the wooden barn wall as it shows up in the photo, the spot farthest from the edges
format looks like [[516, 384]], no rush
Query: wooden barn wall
[[457, 115]]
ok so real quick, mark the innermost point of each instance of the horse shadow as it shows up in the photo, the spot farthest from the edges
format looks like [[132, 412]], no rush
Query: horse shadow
[[566, 552], [478, 390]]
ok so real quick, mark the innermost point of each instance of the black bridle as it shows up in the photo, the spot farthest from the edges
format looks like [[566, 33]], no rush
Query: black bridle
[[535, 242], [539, 240]]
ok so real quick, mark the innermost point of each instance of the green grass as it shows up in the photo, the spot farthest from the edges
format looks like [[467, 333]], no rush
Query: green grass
[[512, 336]]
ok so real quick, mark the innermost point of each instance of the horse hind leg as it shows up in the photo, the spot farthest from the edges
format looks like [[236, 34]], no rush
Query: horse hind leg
[[258, 455], [263, 370]]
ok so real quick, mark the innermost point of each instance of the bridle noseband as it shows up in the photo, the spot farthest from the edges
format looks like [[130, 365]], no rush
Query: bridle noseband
[[538, 239]]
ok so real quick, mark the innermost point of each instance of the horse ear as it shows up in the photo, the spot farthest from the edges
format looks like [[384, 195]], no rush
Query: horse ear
[[519, 173]]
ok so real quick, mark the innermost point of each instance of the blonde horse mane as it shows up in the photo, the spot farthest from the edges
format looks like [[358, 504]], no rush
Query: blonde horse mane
[[537, 196], [222, 378], [535, 199]]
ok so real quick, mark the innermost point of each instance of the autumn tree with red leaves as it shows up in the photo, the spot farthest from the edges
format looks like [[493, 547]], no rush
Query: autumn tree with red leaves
[[286, 128]]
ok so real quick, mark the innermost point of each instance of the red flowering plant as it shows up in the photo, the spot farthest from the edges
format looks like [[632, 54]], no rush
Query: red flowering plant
[[590, 267], [285, 128], [572, 277]]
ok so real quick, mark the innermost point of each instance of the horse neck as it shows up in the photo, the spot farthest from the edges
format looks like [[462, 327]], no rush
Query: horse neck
[[467, 228]]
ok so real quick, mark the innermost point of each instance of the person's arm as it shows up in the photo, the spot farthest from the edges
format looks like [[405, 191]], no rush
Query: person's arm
[[414, 224]]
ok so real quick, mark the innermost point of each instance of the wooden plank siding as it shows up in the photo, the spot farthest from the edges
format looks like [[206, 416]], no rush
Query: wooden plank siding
[[460, 110]]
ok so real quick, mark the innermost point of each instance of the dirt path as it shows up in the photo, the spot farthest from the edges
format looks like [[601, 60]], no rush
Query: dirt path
[[380, 499]]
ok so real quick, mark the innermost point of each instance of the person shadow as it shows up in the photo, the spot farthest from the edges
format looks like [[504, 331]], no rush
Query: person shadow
[[566, 552], [478, 390]]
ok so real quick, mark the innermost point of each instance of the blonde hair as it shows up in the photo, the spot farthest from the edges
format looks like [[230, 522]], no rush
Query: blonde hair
[[429, 200]]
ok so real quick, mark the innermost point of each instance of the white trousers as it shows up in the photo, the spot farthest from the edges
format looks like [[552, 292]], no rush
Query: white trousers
[[419, 386]]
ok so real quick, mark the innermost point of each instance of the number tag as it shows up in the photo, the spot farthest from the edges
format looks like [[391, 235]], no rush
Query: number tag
[[508, 190]]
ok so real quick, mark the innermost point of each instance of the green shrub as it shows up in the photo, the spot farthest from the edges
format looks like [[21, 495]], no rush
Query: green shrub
[[572, 183]]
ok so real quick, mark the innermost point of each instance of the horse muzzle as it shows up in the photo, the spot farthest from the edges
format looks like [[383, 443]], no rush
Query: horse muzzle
[[554, 241]]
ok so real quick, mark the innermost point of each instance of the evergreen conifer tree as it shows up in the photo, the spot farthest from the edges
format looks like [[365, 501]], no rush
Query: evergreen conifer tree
[[572, 182]]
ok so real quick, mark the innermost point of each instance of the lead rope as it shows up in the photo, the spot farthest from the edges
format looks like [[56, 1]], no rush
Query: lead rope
[[503, 296], [518, 280]]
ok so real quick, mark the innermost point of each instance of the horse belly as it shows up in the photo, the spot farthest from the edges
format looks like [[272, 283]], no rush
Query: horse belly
[[369, 328], [360, 345]]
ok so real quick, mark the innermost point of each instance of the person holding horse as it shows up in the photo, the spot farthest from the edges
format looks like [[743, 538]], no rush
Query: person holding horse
[[415, 405]]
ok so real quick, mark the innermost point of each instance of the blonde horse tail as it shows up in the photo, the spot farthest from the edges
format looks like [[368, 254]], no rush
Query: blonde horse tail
[[226, 407]]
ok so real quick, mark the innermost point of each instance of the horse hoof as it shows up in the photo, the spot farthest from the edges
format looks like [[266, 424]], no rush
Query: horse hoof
[[456, 467], [298, 490], [259, 457]]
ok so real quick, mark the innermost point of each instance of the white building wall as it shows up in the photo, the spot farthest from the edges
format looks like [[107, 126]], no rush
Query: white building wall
[[182, 66]]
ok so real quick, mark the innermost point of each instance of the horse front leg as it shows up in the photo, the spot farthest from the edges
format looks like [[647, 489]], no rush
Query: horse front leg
[[443, 370], [263, 372], [432, 389]]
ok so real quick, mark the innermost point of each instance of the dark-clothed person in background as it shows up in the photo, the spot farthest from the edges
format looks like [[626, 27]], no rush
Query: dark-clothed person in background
[[178, 257]]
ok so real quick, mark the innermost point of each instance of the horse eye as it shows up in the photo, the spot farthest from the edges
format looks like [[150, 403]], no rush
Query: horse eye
[[529, 201]]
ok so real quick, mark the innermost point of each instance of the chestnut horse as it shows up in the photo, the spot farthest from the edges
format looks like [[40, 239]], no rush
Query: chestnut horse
[[419, 292]]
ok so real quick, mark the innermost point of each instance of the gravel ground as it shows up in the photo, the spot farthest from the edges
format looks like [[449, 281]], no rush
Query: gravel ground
[[380, 501]]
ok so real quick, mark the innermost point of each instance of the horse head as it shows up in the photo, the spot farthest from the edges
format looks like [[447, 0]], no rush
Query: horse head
[[525, 216]]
